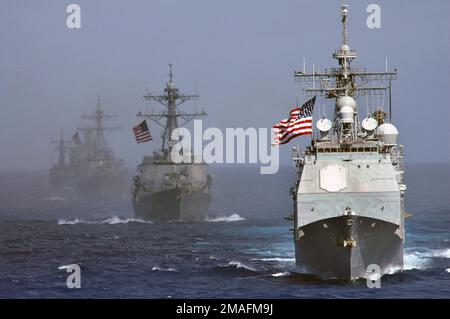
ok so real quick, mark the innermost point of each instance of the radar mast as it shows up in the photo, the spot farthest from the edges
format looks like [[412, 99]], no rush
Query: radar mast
[[168, 119], [345, 83]]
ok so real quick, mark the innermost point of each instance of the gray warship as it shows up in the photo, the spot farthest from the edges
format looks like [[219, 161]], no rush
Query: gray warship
[[62, 174], [349, 190], [163, 190], [101, 175], [86, 164]]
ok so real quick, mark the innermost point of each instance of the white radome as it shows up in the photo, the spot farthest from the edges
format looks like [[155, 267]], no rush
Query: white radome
[[345, 47], [346, 101], [369, 124], [324, 125], [346, 114], [389, 132]]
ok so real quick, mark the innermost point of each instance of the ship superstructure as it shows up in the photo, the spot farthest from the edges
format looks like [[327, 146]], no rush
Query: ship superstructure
[[101, 175], [349, 189], [87, 165], [163, 190], [63, 174]]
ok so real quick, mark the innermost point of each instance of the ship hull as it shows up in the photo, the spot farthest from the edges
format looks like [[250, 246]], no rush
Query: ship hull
[[173, 205], [343, 247], [102, 187], [61, 178]]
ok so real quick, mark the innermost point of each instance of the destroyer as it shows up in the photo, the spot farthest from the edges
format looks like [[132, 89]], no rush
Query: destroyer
[[101, 174], [165, 190], [349, 190], [63, 174], [87, 167]]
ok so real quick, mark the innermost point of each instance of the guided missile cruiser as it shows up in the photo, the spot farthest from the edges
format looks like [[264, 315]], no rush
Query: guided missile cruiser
[[349, 191], [164, 190]]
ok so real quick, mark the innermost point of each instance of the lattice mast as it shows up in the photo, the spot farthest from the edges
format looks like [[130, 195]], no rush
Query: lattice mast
[[99, 144], [168, 119], [62, 146], [346, 80]]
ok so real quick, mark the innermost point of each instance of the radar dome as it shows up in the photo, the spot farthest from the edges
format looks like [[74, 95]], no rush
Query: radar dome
[[369, 124], [345, 47], [389, 132], [346, 101], [324, 125], [346, 114]]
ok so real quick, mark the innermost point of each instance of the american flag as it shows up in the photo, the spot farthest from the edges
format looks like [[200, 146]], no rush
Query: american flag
[[141, 133], [299, 123]]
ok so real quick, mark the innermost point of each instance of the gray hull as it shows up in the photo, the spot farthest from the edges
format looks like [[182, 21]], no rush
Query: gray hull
[[173, 205], [343, 247]]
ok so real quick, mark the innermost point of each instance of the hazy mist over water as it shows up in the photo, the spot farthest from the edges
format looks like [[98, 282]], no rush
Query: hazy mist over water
[[241, 55], [245, 248]]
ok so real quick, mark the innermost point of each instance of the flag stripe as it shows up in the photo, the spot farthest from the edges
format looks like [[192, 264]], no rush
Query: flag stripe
[[291, 137], [299, 123], [142, 133]]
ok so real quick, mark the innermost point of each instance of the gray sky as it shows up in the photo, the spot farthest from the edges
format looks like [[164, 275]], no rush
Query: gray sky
[[240, 54]]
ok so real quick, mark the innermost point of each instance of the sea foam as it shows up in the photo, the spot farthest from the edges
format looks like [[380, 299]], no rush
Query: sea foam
[[111, 221], [230, 218]]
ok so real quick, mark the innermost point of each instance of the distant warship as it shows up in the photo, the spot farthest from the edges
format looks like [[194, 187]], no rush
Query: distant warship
[[163, 190], [92, 170], [349, 191], [62, 174]]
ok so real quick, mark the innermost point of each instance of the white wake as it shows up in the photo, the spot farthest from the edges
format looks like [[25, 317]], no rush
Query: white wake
[[240, 265], [111, 221], [230, 218], [419, 258]]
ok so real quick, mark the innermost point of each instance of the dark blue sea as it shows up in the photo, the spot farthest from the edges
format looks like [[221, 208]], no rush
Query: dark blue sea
[[245, 250]]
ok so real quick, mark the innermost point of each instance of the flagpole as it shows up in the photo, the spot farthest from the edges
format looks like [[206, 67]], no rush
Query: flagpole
[[298, 142]]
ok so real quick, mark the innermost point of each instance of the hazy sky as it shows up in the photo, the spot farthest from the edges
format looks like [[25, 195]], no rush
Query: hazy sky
[[240, 54]]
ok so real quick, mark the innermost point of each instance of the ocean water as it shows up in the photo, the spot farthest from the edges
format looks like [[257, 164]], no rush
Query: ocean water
[[243, 250]]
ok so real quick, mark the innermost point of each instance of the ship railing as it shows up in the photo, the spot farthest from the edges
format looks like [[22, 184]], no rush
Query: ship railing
[[331, 138], [337, 71], [350, 52], [397, 157]]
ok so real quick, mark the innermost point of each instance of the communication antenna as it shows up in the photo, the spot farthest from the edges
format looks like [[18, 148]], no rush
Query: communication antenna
[[369, 124], [367, 105], [390, 101], [379, 102], [168, 118], [195, 101], [146, 102], [324, 125], [170, 72], [313, 81], [344, 12]]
